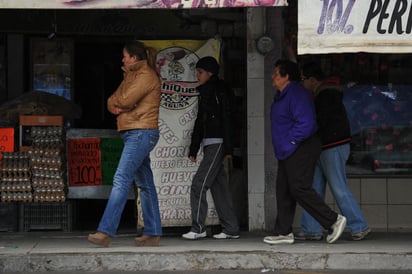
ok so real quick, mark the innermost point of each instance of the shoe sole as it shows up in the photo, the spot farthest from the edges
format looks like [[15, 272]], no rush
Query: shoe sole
[[104, 243], [196, 238], [278, 242], [340, 229], [147, 241], [227, 237], [363, 237]]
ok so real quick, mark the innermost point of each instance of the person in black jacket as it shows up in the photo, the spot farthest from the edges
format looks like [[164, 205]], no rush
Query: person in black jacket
[[335, 133], [213, 131]]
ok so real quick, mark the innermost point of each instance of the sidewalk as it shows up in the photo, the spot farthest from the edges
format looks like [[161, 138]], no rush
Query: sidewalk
[[59, 251]]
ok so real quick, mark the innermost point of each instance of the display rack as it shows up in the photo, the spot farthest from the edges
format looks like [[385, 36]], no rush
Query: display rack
[[42, 150]]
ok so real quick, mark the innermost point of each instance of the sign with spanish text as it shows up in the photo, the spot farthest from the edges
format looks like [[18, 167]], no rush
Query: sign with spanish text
[[111, 150], [135, 4], [334, 26], [172, 169], [84, 162]]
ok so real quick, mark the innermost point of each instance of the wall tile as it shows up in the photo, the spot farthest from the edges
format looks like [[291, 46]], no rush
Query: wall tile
[[373, 191], [400, 217], [399, 191], [376, 216]]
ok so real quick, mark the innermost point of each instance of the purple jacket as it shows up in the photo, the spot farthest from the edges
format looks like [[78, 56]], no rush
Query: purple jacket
[[293, 119]]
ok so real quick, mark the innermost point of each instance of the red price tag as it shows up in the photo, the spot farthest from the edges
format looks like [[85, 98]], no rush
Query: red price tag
[[84, 162], [6, 139]]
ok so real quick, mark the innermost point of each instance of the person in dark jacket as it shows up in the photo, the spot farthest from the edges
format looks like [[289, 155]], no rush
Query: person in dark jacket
[[212, 130], [297, 148], [334, 130]]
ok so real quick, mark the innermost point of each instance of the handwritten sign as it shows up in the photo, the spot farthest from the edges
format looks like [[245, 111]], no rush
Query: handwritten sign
[[6, 139], [111, 150], [84, 162]]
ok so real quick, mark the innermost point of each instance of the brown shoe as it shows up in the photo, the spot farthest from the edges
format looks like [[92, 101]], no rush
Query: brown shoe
[[146, 240], [100, 238]]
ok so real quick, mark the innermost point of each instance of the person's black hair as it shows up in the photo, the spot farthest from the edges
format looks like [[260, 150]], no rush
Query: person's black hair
[[208, 63], [287, 67], [312, 69]]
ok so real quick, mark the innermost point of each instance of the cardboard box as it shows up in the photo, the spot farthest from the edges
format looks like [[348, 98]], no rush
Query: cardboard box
[[28, 121]]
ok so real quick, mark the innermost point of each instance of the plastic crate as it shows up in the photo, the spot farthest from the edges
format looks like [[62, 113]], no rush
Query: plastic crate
[[46, 216], [9, 217]]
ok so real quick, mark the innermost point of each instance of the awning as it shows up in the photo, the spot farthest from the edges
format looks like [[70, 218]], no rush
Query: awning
[[379, 26], [133, 4]]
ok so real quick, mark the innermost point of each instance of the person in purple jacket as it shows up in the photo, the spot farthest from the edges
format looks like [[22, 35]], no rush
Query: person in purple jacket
[[297, 148]]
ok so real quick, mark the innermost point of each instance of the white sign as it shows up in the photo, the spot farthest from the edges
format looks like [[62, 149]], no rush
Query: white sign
[[172, 169], [380, 26]]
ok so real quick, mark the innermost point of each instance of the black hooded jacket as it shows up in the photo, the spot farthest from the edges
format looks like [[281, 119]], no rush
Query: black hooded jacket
[[214, 116]]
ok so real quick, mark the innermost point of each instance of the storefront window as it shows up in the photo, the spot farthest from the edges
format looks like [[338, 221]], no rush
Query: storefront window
[[381, 125]]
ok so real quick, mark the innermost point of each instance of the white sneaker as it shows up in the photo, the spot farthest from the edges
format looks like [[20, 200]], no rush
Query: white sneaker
[[280, 239], [223, 235], [337, 229], [194, 236]]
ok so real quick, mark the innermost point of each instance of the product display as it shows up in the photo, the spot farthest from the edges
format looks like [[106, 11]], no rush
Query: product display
[[15, 184], [46, 162], [36, 173]]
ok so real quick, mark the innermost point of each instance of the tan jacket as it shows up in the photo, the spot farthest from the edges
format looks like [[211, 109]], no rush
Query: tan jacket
[[138, 97]]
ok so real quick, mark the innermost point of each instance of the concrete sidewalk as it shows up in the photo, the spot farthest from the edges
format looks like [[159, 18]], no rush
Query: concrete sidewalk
[[58, 251]]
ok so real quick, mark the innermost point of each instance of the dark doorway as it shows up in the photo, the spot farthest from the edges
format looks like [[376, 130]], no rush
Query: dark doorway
[[96, 76]]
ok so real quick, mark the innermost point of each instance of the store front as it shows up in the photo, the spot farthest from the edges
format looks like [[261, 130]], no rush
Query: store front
[[379, 170], [83, 50]]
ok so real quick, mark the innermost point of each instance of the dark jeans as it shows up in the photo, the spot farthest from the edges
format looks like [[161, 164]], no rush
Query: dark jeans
[[294, 185]]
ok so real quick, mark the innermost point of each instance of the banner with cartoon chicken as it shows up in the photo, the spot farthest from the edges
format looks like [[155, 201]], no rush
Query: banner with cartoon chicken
[[173, 171]]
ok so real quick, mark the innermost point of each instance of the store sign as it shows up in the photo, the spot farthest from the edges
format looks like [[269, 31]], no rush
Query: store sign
[[133, 4], [6, 140], [173, 171], [111, 150], [84, 162], [380, 26]]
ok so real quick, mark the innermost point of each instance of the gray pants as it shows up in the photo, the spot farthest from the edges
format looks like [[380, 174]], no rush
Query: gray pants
[[211, 175]]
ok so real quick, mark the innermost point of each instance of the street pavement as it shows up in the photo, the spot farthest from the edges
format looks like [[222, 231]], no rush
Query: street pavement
[[59, 252]]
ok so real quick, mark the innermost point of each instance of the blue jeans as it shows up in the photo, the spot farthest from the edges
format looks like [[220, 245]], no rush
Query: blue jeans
[[331, 168], [134, 165]]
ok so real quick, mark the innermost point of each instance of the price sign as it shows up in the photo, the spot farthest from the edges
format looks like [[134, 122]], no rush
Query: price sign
[[6, 139], [111, 149], [84, 162]]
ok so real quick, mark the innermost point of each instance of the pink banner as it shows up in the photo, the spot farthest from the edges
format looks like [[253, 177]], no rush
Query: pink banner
[[133, 4]]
